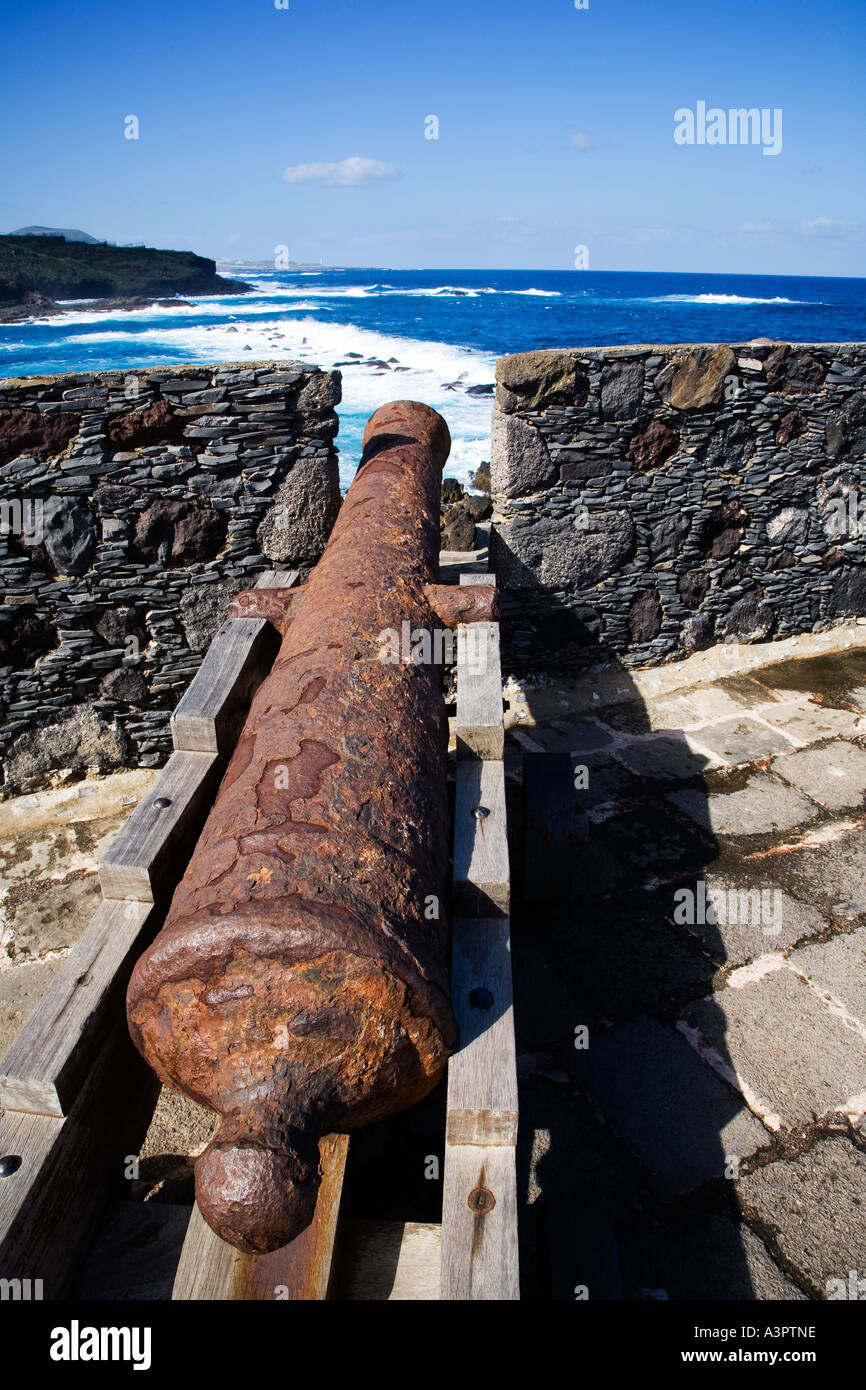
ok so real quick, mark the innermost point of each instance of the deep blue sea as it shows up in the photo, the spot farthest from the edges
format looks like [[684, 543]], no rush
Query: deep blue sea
[[444, 329]]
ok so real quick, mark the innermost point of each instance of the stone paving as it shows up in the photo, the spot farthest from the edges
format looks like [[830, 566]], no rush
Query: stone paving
[[692, 1022], [50, 843]]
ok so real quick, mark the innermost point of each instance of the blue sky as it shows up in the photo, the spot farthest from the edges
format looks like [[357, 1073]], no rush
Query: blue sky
[[555, 129]]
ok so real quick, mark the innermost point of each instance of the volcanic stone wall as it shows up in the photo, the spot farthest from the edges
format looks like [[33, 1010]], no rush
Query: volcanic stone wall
[[661, 499], [133, 506]]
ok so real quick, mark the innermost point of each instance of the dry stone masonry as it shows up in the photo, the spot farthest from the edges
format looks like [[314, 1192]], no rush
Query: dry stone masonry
[[133, 506], [660, 499]]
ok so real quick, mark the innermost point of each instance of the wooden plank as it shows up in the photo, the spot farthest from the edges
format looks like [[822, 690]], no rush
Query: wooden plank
[[277, 579], [454, 558], [50, 1204], [481, 873], [147, 857], [210, 716], [482, 1075], [480, 728], [389, 1262], [479, 1249], [472, 577], [303, 1270], [48, 1061], [208, 1266]]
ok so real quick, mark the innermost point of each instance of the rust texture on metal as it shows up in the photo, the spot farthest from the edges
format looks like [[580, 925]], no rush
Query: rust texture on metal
[[277, 605], [299, 985], [458, 603], [481, 1200]]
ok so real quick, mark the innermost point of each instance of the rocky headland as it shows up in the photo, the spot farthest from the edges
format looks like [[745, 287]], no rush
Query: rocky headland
[[37, 271]]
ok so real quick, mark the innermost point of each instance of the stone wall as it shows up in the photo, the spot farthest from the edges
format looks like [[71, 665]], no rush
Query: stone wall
[[133, 506], [660, 499]]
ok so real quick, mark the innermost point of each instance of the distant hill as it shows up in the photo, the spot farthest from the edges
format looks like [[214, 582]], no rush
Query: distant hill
[[68, 233], [50, 265]]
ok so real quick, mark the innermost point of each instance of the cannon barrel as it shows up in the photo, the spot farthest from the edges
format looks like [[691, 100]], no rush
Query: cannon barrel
[[299, 984]]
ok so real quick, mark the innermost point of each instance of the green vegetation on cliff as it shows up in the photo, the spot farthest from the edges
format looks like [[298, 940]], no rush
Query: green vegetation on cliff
[[79, 270]]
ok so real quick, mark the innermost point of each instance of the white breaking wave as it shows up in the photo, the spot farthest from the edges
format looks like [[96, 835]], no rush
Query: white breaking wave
[[278, 290], [251, 307], [718, 299], [434, 372]]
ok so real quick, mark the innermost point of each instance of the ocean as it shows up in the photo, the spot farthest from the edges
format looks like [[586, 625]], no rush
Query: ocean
[[429, 335]]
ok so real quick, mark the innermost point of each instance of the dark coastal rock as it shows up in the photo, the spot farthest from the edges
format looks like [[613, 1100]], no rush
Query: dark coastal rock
[[692, 588], [731, 575], [781, 560], [668, 536], [697, 633], [652, 445], [723, 529], [305, 508], [79, 743], [24, 637], [750, 620], [114, 500], [203, 610], [729, 446], [452, 491], [480, 507], [69, 534], [697, 380], [792, 372], [849, 593], [458, 528], [621, 390], [645, 618], [116, 625], [35, 433], [791, 426], [320, 395], [523, 463], [591, 466], [126, 686], [846, 432], [561, 554], [137, 429], [486, 389], [569, 627], [788, 527], [126, 303], [524, 379], [482, 477], [28, 304], [178, 533]]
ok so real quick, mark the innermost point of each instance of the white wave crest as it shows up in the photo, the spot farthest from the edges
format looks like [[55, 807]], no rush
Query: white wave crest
[[718, 299]]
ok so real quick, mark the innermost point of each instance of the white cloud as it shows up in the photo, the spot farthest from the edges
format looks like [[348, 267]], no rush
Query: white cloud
[[828, 226], [349, 173], [581, 141]]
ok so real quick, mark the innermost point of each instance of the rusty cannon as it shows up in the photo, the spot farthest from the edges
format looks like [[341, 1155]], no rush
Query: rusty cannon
[[299, 985]]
